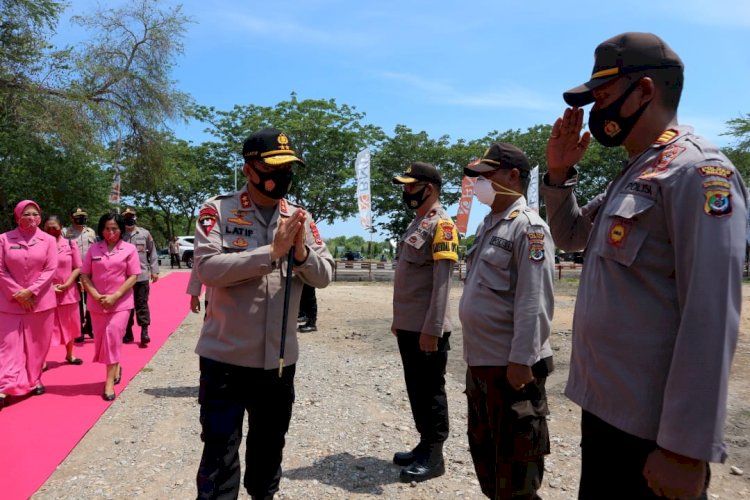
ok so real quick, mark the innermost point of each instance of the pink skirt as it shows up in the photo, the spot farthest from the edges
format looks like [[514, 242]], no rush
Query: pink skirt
[[109, 328], [67, 324], [37, 335], [14, 380]]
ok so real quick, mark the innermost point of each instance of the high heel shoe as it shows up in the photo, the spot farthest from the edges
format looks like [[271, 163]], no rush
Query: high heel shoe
[[119, 375], [38, 390], [108, 397]]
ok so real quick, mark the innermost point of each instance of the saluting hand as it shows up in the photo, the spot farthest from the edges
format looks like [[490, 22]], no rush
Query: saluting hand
[[566, 145]]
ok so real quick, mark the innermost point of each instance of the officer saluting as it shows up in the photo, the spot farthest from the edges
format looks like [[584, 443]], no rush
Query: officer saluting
[[242, 241]]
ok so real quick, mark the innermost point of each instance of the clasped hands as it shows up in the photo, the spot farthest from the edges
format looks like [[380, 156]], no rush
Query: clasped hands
[[290, 233]]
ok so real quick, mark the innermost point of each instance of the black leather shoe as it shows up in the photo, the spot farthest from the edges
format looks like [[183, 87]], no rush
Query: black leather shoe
[[108, 397], [308, 327], [145, 339], [422, 471], [79, 340], [301, 319], [128, 338], [404, 458], [39, 390]]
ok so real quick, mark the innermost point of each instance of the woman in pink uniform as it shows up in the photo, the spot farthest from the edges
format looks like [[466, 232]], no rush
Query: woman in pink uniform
[[28, 260], [67, 321], [109, 271]]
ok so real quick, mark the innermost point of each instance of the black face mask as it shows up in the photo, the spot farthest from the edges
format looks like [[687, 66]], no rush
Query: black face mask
[[414, 200], [130, 222], [281, 179], [606, 124], [81, 221]]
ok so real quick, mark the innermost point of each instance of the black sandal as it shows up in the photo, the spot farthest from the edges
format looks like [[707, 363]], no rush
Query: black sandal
[[74, 361]]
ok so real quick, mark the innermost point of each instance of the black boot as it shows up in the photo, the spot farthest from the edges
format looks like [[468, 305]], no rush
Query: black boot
[[308, 327], [404, 458], [145, 339], [428, 465], [128, 338]]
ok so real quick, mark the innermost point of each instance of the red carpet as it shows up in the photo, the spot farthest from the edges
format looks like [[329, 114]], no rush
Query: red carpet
[[38, 432]]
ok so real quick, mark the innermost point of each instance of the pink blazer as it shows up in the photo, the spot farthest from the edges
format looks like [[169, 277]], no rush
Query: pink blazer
[[27, 264], [109, 270], [68, 259]]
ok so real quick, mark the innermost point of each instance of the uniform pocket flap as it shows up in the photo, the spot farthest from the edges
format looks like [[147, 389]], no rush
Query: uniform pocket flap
[[628, 206]]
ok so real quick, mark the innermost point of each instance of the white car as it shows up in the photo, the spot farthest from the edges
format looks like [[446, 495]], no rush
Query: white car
[[186, 249]]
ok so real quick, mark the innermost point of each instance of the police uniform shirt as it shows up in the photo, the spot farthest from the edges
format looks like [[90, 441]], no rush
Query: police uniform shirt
[[426, 252], [658, 307], [508, 301], [243, 318], [144, 243], [84, 238]]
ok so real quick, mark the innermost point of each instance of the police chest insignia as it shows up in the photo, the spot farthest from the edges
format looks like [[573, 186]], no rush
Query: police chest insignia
[[662, 162], [245, 200], [666, 136], [240, 243], [715, 170], [315, 233], [497, 241], [239, 217], [618, 232], [718, 203], [415, 240], [514, 214], [207, 219]]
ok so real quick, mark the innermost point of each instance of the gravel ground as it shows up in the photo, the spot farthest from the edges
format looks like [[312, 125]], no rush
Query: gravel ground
[[351, 414]]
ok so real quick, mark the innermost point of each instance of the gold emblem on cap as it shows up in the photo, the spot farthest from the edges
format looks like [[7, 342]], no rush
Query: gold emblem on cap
[[283, 141], [408, 170], [486, 152]]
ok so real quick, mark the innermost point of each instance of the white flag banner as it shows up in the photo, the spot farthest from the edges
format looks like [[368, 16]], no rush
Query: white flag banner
[[114, 193], [532, 194], [362, 168]]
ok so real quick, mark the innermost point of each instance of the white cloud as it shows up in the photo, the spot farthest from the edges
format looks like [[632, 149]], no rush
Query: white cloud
[[509, 97]]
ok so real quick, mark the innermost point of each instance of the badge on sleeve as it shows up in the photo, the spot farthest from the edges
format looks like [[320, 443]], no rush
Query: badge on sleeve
[[207, 219], [536, 246], [718, 202], [618, 232], [445, 241]]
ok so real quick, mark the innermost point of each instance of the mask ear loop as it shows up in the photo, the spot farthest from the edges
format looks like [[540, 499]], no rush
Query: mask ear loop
[[505, 191]]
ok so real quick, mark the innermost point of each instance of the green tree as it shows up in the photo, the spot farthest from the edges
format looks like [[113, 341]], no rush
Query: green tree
[[327, 136], [186, 176], [59, 107], [739, 154]]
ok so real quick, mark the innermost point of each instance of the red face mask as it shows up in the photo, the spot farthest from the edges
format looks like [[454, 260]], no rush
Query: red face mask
[[111, 237], [28, 222], [54, 231]]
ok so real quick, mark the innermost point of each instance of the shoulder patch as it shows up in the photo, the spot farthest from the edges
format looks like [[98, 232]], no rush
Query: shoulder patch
[[536, 246], [718, 202], [445, 241], [715, 170], [207, 219]]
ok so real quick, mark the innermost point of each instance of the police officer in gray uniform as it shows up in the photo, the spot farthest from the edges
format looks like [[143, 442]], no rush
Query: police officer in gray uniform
[[427, 252], [146, 247], [506, 313], [84, 236], [242, 241], [658, 308]]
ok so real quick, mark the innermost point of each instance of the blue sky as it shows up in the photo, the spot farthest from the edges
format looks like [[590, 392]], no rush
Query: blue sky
[[447, 67]]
